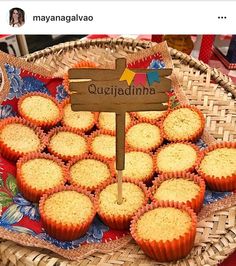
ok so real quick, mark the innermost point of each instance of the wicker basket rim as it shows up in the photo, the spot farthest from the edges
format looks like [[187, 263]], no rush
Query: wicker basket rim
[[220, 78]]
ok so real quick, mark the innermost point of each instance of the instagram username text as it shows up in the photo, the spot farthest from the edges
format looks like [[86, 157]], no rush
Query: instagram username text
[[67, 19]]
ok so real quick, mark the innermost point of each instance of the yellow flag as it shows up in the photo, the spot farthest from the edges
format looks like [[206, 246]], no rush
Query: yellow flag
[[127, 75]]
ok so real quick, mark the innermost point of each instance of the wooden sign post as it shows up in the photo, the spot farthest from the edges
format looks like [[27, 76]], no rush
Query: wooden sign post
[[119, 90]]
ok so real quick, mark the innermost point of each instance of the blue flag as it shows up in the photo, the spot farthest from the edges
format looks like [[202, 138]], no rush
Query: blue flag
[[152, 77]]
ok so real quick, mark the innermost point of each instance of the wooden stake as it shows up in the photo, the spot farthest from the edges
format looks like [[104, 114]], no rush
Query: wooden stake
[[120, 151], [119, 184]]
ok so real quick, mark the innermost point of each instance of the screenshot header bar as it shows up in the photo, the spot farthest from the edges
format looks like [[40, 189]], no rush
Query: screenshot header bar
[[115, 17]]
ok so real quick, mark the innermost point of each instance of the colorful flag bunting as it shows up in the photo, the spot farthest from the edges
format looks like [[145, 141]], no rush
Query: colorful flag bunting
[[127, 75], [140, 78]]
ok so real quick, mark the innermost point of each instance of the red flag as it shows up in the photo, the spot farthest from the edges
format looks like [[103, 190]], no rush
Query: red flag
[[140, 78]]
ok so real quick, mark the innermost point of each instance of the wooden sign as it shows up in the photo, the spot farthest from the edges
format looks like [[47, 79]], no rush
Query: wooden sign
[[101, 90], [119, 90]]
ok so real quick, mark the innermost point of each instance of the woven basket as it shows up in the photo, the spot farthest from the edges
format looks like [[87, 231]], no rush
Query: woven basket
[[208, 89]]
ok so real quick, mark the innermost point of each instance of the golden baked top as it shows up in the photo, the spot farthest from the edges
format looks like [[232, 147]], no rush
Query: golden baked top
[[79, 120], [20, 137], [163, 224], [182, 123], [178, 189], [143, 135], [150, 114], [176, 157], [138, 165], [107, 120], [104, 145], [42, 173], [89, 172], [133, 198], [40, 108], [68, 143], [220, 162], [68, 207]]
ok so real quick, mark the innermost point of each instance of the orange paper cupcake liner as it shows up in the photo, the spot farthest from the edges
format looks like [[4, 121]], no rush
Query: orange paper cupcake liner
[[9, 152], [120, 222], [140, 118], [146, 179], [85, 129], [56, 130], [65, 232], [194, 203], [196, 135], [112, 131], [148, 121], [91, 139], [170, 250], [227, 183], [43, 124], [81, 64], [29, 192], [95, 157], [190, 169]]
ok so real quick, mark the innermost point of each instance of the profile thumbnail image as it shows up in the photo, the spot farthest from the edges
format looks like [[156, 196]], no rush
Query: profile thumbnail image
[[16, 17]]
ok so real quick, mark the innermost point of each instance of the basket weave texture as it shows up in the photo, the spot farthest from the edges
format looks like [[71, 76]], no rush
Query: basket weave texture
[[208, 89]]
